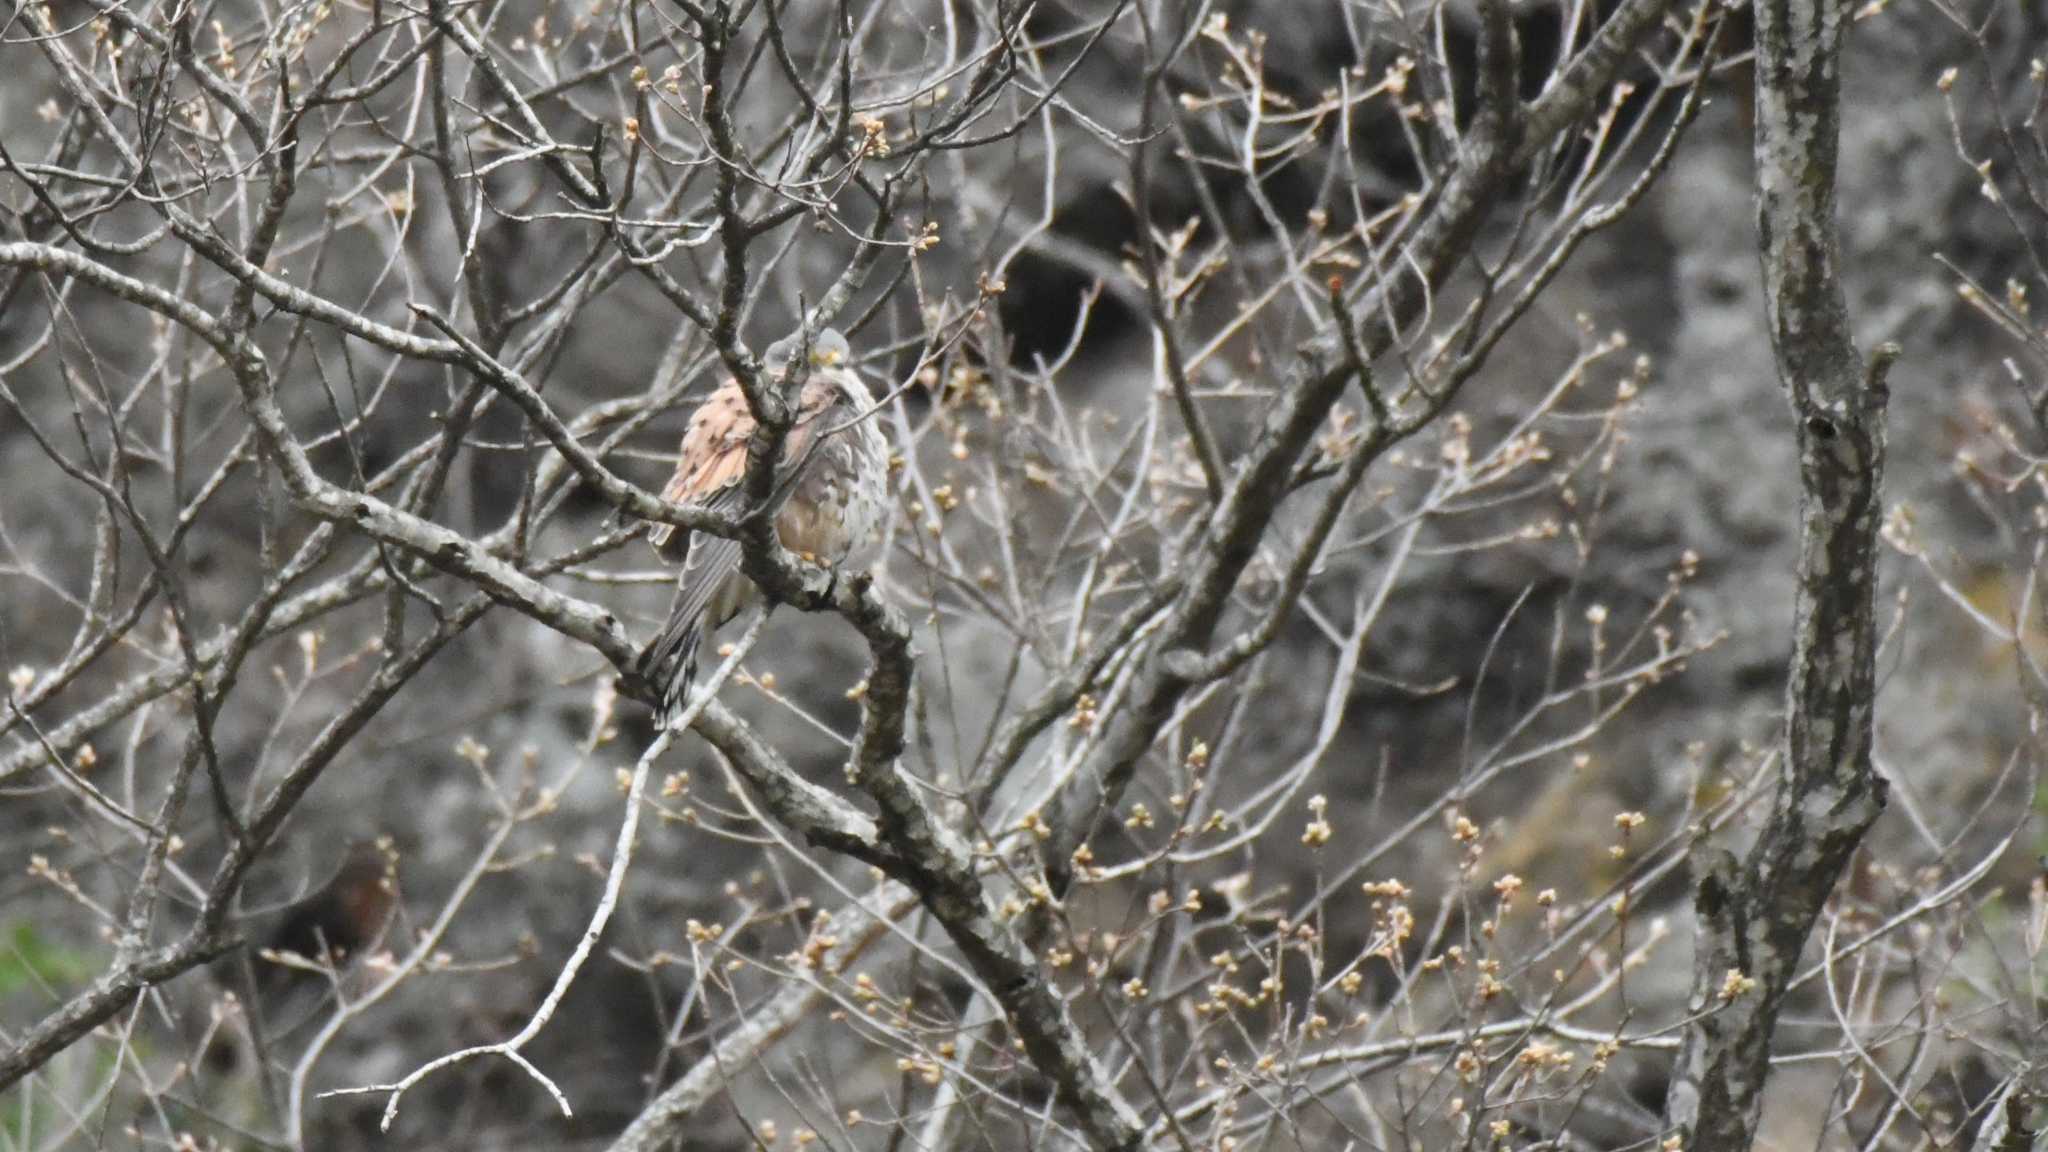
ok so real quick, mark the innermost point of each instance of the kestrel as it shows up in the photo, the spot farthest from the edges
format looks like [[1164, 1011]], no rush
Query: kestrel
[[831, 484]]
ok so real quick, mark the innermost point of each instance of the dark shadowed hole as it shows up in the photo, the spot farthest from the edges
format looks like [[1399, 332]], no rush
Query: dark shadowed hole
[[1045, 289]]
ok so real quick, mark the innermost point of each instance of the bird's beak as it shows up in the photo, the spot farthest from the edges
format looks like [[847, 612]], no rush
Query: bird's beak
[[825, 358]]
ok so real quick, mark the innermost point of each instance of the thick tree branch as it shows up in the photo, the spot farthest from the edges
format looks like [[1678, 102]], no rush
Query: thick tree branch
[[1755, 914]]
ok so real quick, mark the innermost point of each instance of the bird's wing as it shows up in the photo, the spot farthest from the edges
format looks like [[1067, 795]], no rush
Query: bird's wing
[[713, 458], [708, 472], [668, 663], [706, 564]]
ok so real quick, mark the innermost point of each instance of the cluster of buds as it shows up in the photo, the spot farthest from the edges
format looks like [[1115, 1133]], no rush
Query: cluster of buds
[[1317, 833], [1736, 984], [1505, 889], [817, 946], [871, 136], [1392, 922], [1085, 870], [1083, 719], [1625, 823]]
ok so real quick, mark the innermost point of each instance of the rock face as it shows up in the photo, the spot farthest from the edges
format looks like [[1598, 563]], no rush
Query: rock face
[[1707, 466]]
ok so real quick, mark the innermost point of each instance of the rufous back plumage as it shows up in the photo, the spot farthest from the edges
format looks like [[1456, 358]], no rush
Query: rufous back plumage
[[830, 482]]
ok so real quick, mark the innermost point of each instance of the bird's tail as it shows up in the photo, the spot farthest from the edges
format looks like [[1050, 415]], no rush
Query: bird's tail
[[668, 664]]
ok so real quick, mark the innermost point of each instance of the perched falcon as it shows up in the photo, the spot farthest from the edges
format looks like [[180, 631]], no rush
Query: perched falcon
[[831, 484]]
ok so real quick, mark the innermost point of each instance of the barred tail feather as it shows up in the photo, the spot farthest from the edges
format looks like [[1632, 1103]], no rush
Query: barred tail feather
[[668, 664]]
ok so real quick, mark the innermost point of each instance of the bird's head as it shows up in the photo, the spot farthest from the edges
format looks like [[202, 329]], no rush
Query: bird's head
[[828, 349]]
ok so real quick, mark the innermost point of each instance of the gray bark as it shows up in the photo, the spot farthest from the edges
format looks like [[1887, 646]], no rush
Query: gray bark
[[1755, 914]]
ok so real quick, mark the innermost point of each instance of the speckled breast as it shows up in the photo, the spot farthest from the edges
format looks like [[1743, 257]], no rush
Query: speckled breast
[[835, 514]]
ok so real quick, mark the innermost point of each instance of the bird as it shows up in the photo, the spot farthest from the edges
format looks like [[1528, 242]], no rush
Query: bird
[[333, 925], [301, 949], [830, 492]]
